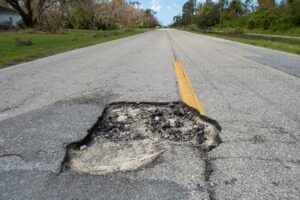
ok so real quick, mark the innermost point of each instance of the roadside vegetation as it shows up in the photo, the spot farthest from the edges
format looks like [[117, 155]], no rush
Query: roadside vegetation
[[52, 15], [290, 45], [236, 20], [52, 26], [27, 45]]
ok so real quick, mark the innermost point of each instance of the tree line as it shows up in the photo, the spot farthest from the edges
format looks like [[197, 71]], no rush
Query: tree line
[[263, 14], [50, 15]]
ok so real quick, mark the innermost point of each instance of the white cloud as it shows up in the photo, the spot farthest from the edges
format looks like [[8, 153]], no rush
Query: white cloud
[[155, 5], [203, 1], [174, 6], [138, 6]]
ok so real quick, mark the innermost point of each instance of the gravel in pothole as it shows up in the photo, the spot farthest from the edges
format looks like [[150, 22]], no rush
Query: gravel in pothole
[[131, 135]]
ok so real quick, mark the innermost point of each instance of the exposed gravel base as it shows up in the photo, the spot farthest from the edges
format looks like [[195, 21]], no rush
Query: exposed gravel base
[[174, 121], [131, 135]]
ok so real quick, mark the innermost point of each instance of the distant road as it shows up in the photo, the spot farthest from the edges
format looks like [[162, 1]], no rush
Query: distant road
[[251, 91]]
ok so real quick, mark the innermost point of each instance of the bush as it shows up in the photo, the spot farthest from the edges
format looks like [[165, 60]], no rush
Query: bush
[[238, 15], [69, 23], [290, 16], [252, 23], [21, 25], [192, 27], [6, 26], [208, 16], [282, 17], [294, 12]]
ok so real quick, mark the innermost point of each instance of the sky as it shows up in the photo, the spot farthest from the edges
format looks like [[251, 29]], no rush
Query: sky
[[166, 9]]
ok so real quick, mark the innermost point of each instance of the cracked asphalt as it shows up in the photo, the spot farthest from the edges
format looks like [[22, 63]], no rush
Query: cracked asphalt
[[252, 92]]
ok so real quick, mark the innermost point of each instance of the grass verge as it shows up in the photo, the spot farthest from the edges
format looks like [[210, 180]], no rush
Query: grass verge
[[17, 47], [290, 45], [290, 32]]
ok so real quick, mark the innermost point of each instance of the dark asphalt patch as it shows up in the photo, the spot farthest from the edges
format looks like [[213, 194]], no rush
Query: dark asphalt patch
[[131, 135]]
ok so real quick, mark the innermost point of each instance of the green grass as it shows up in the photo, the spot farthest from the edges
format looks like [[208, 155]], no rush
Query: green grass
[[295, 31], [290, 32], [283, 44], [13, 47]]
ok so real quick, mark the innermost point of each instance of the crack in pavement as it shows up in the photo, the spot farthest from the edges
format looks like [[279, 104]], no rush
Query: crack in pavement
[[17, 105], [208, 171], [12, 155], [259, 140], [208, 165], [172, 47]]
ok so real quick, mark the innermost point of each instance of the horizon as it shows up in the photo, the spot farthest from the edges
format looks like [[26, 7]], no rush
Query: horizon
[[167, 9]]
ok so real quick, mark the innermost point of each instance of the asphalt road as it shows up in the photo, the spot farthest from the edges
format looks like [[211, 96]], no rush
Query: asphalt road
[[251, 91]]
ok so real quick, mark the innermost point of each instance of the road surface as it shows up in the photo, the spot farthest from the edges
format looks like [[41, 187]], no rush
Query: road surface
[[252, 92]]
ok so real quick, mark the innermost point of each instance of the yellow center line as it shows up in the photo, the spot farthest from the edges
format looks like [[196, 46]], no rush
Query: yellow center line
[[187, 92]]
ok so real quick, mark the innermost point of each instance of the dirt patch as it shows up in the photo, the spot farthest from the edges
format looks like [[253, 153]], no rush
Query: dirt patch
[[130, 135]]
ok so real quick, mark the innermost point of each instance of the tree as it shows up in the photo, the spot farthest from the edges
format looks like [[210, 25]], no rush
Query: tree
[[188, 10], [248, 6], [207, 15], [177, 20], [3, 3], [31, 9], [49, 15], [236, 8], [263, 4], [150, 12], [136, 4], [150, 19], [25, 9]]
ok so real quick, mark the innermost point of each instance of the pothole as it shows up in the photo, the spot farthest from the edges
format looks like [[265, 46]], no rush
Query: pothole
[[131, 135]]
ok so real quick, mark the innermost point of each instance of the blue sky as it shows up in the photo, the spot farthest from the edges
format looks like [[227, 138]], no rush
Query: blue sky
[[166, 9]]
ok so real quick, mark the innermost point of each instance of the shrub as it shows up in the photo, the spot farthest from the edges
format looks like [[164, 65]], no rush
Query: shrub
[[208, 16], [69, 23], [192, 27], [6, 26]]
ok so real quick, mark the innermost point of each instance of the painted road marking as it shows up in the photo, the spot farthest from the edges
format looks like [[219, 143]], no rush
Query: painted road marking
[[187, 91]]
